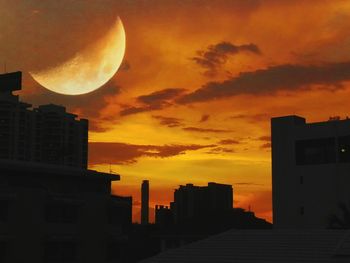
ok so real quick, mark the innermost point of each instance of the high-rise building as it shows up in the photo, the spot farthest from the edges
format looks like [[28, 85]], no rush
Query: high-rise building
[[192, 201], [310, 171], [145, 202], [47, 134]]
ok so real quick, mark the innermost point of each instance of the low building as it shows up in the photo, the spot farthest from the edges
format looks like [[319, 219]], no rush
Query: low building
[[261, 246], [164, 216], [51, 213]]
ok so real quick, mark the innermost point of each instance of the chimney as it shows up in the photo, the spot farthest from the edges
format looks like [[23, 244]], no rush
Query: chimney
[[144, 202]]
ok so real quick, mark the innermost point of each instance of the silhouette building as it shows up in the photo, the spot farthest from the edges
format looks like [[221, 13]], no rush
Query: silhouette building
[[47, 134], [51, 213], [192, 201], [145, 202], [164, 216], [52, 209], [310, 171]]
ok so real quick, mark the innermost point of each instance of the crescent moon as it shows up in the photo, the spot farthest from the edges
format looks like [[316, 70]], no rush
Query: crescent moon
[[90, 68]]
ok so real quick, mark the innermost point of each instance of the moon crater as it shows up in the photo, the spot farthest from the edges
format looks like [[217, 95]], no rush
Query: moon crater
[[90, 68]]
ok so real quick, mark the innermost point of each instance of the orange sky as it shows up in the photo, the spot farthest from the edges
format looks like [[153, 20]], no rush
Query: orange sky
[[199, 83]]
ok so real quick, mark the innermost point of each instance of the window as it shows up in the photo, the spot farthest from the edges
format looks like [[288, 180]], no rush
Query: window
[[61, 212], [344, 149], [315, 151], [302, 210], [60, 251], [301, 180]]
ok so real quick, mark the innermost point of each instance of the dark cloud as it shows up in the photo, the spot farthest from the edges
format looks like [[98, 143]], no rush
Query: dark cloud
[[266, 146], [160, 96], [217, 55], [247, 184], [271, 80], [124, 153], [217, 150], [125, 66], [133, 110], [154, 101], [229, 142], [168, 121], [204, 118], [266, 138], [196, 129]]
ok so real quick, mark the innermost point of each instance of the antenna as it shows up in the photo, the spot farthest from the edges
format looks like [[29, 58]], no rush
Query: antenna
[[249, 208], [5, 67]]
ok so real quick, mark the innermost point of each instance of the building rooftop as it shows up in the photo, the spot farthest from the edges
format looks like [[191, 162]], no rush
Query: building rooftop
[[302, 121], [10, 81], [258, 246], [43, 169]]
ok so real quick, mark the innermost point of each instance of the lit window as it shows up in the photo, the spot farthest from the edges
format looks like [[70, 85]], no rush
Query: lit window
[[344, 149]]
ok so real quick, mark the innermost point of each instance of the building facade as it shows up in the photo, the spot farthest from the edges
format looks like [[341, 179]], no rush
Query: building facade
[[47, 134], [310, 171], [52, 213], [192, 201], [164, 216]]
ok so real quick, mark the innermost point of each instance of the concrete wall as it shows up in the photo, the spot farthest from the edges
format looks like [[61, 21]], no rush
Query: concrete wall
[[305, 196]]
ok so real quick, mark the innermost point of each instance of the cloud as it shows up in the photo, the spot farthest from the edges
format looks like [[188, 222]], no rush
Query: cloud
[[204, 118], [160, 96], [216, 55], [133, 110], [168, 121], [265, 138], [154, 101], [229, 142], [217, 150], [125, 66], [196, 129], [266, 146], [247, 184], [272, 79], [125, 153]]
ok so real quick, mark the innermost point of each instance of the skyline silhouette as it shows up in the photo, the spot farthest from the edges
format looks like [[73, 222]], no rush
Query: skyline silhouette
[[198, 84]]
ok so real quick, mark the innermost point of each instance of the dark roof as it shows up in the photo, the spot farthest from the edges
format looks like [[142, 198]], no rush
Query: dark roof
[[268, 246], [48, 169], [11, 81]]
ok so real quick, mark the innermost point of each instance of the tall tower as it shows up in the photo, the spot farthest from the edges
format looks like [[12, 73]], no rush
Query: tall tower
[[144, 202]]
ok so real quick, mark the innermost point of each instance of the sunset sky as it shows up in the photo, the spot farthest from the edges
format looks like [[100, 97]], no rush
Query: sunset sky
[[198, 85]]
